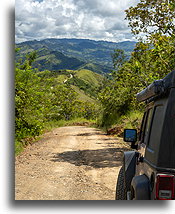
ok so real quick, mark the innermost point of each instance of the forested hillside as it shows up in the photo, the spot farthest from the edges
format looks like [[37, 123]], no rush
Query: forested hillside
[[55, 54], [54, 79]]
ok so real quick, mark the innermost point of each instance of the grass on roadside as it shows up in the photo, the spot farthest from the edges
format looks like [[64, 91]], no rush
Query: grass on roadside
[[132, 120]]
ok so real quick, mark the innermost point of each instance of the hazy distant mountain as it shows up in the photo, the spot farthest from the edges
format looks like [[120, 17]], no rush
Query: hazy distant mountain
[[55, 54]]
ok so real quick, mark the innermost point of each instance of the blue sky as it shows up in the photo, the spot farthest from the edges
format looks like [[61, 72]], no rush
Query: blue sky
[[92, 19]]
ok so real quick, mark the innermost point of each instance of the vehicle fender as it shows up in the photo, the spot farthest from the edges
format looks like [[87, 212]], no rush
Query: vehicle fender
[[130, 159], [141, 187]]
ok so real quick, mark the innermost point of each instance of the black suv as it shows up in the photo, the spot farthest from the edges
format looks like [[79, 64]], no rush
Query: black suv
[[148, 171]]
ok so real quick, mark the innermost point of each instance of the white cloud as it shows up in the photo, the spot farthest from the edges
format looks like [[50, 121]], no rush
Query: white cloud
[[94, 19]]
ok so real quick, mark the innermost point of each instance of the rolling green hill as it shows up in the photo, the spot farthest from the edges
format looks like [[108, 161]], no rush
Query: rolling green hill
[[76, 62], [47, 59], [55, 54], [85, 82]]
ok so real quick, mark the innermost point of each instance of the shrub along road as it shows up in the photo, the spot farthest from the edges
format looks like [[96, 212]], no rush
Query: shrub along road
[[69, 163]]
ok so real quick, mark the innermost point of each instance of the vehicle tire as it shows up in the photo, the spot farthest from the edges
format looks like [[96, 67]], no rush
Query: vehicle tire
[[120, 188]]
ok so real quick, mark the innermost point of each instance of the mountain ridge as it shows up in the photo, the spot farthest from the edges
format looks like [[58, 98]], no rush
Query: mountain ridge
[[80, 52]]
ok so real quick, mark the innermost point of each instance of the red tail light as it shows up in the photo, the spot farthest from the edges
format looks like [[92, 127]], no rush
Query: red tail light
[[165, 187]]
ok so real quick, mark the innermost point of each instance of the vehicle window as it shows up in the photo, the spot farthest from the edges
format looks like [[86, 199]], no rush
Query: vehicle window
[[141, 135], [148, 124], [156, 128]]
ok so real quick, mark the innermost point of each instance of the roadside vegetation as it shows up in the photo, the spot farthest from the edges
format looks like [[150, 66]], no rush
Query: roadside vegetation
[[47, 99], [152, 22], [42, 101]]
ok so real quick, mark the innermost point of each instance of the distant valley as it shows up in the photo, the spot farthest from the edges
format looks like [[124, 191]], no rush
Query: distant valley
[[74, 54]]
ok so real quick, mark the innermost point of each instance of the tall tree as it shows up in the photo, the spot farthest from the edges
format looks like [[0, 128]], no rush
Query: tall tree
[[150, 16]]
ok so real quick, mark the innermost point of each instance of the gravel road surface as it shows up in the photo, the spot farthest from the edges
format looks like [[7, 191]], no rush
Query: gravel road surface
[[69, 163]]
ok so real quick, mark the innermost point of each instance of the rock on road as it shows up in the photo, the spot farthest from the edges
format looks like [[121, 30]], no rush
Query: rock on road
[[69, 163]]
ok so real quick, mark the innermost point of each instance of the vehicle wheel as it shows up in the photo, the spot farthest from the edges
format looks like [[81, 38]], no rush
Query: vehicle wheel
[[120, 188]]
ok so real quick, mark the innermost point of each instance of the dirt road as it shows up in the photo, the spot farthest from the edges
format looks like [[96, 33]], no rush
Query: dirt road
[[69, 163]]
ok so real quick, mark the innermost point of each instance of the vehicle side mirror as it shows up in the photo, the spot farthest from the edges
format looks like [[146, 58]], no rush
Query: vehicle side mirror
[[130, 135]]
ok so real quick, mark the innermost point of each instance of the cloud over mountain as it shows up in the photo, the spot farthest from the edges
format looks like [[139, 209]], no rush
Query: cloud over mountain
[[93, 19]]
